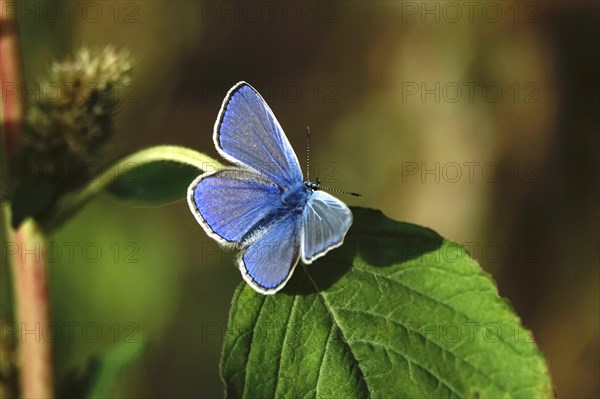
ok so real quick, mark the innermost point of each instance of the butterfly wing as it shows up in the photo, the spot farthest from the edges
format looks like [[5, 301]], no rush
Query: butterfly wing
[[248, 134], [326, 221], [231, 203], [269, 262]]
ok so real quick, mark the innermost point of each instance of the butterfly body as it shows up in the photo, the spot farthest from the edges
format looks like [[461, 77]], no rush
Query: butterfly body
[[296, 196], [262, 206]]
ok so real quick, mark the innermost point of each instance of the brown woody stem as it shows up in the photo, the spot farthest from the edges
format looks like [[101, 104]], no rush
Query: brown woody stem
[[26, 258]]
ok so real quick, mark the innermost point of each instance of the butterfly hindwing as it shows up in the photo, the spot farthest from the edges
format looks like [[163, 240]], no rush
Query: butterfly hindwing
[[248, 134], [268, 262]]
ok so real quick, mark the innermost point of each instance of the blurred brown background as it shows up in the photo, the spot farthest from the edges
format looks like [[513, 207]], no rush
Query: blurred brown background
[[478, 120]]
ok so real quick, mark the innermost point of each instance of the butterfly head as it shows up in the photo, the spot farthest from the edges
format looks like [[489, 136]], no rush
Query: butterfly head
[[313, 185]]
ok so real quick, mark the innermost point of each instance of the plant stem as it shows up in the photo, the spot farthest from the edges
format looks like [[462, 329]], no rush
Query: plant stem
[[27, 242], [10, 78], [31, 305]]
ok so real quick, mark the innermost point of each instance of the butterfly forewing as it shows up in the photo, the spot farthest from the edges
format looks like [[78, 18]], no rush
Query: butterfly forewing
[[248, 134], [231, 202]]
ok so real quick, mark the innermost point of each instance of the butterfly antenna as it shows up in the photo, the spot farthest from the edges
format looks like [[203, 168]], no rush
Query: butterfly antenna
[[340, 191], [307, 153], [317, 184]]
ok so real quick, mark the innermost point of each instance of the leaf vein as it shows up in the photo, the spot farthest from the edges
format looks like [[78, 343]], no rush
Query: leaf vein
[[432, 299], [262, 305], [283, 345], [323, 359], [427, 339], [337, 325], [410, 359]]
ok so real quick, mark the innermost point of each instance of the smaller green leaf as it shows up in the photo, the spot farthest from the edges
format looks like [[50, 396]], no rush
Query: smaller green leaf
[[154, 183], [152, 176], [101, 374]]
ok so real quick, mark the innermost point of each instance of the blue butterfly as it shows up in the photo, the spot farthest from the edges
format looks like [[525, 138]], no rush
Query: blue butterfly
[[262, 206]]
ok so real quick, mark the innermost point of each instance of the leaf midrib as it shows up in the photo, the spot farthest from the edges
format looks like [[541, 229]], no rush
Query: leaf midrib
[[337, 325]]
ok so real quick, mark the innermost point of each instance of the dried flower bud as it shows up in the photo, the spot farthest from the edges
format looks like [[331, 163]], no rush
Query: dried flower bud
[[67, 125], [75, 119]]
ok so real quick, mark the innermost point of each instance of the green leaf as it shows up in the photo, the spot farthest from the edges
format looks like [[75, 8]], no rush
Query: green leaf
[[152, 176], [397, 311], [101, 374], [155, 183], [159, 175]]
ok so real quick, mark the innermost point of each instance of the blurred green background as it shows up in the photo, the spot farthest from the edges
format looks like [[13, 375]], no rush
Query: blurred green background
[[415, 105]]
